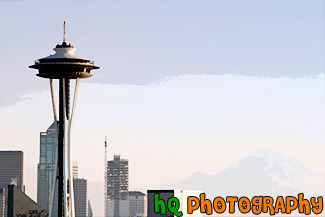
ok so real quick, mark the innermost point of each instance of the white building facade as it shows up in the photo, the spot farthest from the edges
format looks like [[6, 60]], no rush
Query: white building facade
[[138, 204]]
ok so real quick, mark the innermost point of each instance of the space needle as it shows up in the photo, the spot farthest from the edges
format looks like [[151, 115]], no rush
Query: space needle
[[64, 66]]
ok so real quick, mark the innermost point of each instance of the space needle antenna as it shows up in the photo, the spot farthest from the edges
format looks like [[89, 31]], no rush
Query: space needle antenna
[[64, 39]]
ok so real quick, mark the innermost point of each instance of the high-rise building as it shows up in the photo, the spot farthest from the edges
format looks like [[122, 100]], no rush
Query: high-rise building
[[164, 195], [80, 192], [80, 197], [2, 201], [11, 172], [46, 166], [138, 204], [11, 169], [75, 169], [90, 210], [80, 188], [117, 203]]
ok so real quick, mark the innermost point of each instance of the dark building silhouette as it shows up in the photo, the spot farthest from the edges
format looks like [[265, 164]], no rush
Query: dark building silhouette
[[11, 168], [80, 197], [165, 195], [11, 172], [20, 205], [90, 210], [2, 201]]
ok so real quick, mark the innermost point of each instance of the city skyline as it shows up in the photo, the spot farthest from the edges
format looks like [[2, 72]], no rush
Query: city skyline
[[202, 87]]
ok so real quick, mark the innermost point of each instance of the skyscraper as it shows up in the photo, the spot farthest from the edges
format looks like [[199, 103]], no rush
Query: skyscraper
[[46, 166], [75, 169], [11, 172], [2, 201], [80, 197], [11, 169], [80, 188], [90, 210], [117, 203], [138, 204]]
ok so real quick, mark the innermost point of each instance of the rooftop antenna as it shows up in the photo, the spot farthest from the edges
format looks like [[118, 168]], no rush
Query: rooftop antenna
[[105, 175], [64, 31]]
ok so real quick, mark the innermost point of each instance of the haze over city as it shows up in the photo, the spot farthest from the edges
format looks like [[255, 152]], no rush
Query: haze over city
[[183, 86]]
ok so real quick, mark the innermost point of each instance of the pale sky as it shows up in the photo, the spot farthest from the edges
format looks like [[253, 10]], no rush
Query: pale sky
[[139, 42], [183, 86]]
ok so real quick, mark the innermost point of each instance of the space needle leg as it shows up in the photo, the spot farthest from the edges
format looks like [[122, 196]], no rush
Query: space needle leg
[[53, 100], [70, 124], [66, 177], [73, 106], [61, 147], [69, 208], [52, 192]]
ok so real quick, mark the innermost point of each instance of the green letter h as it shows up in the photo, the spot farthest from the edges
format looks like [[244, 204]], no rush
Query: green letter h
[[161, 203]]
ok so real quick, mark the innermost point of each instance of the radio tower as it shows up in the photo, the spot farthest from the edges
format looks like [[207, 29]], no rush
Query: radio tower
[[105, 177], [64, 66]]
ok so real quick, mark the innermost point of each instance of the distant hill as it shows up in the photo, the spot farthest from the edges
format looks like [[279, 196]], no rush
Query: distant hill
[[260, 173]]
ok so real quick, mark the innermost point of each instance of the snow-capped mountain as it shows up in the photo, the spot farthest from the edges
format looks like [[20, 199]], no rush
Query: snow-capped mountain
[[260, 173]]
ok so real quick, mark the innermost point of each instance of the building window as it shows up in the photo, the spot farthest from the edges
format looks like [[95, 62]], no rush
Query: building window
[[43, 151], [49, 157]]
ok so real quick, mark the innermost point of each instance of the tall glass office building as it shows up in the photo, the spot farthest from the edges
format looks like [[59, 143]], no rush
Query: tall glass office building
[[46, 166]]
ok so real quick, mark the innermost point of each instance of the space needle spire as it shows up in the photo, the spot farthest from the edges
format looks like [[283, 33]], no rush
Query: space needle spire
[[63, 66], [64, 34]]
